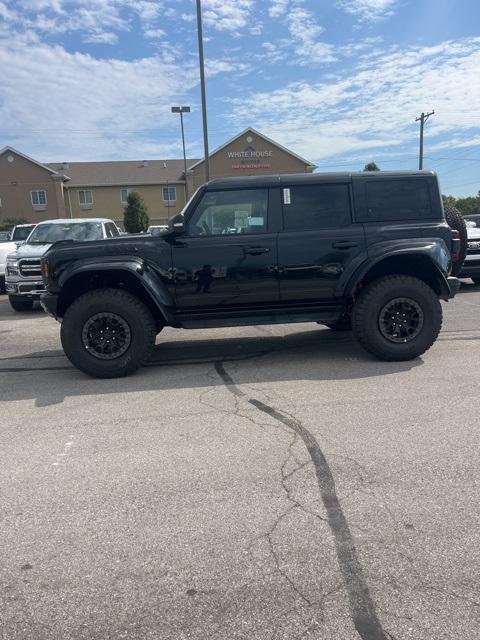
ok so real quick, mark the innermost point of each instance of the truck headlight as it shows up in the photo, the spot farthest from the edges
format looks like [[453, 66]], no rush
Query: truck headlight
[[12, 268]]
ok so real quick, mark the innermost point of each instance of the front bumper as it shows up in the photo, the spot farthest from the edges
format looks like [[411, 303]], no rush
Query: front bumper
[[471, 266], [31, 290], [49, 302]]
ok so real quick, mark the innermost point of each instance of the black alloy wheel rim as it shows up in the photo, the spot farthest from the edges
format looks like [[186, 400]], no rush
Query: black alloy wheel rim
[[401, 320], [106, 336]]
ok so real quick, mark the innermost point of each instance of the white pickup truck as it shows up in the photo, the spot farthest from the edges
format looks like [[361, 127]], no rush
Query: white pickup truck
[[23, 277], [18, 235]]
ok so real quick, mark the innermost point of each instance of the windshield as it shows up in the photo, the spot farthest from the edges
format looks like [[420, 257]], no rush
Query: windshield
[[79, 231], [475, 219], [22, 233]]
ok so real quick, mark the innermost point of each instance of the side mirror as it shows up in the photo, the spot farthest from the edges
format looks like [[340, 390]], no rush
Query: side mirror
[[176, 225]]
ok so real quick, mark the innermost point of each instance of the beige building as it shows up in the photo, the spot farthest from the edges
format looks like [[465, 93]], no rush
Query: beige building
[[36, 191]]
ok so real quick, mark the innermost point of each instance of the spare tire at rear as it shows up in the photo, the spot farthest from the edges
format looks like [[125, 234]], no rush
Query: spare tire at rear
[[456, 222]]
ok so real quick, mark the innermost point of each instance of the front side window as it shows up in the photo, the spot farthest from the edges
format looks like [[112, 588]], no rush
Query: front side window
[[39, 197], [124, 195], [398, 200], [230, 212], [85, 197], [316, 206], [169, 194]]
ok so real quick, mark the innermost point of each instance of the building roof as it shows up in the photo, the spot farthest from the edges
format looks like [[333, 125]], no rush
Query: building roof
[[257, 133], [23, 155], [124, 173]]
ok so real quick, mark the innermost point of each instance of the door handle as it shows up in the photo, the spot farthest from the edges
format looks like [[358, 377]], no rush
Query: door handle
[[344, 244], [256, 251]]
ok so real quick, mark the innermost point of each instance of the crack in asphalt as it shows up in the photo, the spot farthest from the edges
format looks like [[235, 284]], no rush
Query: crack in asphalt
[[362, 607]]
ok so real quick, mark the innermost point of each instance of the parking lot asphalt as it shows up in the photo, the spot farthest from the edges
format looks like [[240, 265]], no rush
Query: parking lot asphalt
[[256, 483]]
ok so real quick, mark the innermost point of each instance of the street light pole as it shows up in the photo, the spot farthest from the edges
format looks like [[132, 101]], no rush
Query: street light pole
[[202, 86], [181, 111]]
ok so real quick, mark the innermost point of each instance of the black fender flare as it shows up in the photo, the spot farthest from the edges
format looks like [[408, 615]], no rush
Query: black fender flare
[[151, 280], [433, 251]]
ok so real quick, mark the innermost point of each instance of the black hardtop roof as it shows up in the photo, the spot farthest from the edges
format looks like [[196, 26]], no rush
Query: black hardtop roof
[[308, 178]]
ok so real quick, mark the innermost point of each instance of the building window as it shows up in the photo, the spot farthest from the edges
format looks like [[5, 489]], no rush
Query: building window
[[124, 193], [85, 198], [169, 194], [39, 198]]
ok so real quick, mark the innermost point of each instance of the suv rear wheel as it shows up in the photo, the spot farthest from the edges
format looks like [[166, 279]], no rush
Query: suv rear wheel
[[397, 317], [107, 333]]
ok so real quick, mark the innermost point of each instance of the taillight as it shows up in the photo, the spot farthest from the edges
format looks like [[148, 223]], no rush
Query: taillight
[[455, 245]]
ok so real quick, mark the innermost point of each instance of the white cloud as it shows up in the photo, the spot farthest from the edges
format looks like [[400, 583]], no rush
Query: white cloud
[[304, 31], [374, 105], [227, 15], [56, 104], [368, 10], [278, 8], [103, 37]]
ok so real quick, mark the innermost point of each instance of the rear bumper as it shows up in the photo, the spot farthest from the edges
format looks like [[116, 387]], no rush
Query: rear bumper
[[49, 302]]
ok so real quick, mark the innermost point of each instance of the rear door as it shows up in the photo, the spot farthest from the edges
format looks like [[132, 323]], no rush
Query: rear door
[[320, 244]]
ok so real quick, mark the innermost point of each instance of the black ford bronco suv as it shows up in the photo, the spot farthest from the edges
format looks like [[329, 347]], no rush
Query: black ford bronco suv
[[366, 251]]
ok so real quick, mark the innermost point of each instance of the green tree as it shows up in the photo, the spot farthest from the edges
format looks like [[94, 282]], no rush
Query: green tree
[[9, 223], [135, 216], [449, 201], [468, 206], [371, 166]]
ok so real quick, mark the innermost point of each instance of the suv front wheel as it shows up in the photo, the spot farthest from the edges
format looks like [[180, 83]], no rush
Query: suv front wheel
[[107, 333], [397, 317]]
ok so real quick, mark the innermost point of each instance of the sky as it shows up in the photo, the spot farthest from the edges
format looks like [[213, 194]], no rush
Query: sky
[[339, 82]]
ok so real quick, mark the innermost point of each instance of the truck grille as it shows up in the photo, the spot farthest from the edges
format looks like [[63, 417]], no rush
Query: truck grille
[[30, 268]]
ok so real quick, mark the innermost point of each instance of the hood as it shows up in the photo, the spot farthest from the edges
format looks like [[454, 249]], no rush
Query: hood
[[5, 249], [473, 233], [32, 250]]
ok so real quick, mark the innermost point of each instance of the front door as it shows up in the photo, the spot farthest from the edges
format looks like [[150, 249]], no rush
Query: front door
[[319, 243], [228, 255]]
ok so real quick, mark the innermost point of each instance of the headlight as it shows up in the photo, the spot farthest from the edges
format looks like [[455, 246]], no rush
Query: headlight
[[12, 268], [473, 245]]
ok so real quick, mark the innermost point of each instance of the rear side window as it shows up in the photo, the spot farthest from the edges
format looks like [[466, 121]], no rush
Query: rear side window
[[397, 200], [316, 206]]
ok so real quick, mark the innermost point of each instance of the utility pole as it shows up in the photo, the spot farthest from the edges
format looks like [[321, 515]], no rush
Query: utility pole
[[202, 86], [422, 118]]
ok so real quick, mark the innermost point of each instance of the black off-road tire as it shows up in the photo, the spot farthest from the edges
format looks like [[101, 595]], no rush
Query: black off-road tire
[[456, 221], [20, 304], [344, 323], [376, 297], [130, 310]]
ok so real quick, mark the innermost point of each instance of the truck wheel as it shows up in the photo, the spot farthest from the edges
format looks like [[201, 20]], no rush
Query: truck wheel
[[20, 304], [456, 221], [107, 333], [397, 317], [344, 323]]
